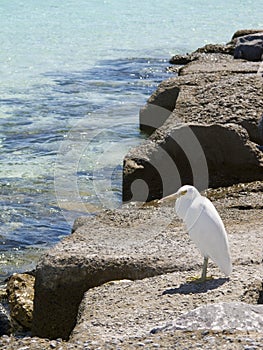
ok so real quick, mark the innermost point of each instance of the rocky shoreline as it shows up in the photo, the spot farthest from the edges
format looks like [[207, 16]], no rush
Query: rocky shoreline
[[120, 280], [203, 126]]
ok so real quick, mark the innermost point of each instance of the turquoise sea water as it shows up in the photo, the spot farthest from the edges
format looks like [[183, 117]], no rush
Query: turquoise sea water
[[73, 78]]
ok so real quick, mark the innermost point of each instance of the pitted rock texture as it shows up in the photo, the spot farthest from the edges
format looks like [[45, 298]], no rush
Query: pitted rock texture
[[219, 317], [138, 242], [215, 89]]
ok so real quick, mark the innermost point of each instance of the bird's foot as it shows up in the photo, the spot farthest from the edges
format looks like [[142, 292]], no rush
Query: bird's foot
[[197, 279]]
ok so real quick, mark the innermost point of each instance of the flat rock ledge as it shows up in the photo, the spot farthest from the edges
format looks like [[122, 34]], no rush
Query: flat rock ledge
[[123, 273], [120, 282], [203, 127]]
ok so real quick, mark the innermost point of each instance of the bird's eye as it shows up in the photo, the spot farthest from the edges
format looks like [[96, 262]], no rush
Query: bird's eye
[[183, 192]]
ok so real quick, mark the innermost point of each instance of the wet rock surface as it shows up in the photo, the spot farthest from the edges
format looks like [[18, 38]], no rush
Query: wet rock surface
[[5, 320]]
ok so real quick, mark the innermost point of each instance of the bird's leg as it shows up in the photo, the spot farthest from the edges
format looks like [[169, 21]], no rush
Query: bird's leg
[[203, 277], [204, 270]]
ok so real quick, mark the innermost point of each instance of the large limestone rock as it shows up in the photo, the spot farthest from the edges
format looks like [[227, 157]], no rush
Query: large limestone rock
[[210, 95], [112, 247], [139, 242], [137, 311], [205, 155], [213, 89], [249, 47]]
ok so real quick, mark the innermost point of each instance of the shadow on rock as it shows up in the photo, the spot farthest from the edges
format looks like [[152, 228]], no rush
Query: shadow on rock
[[193, 287]]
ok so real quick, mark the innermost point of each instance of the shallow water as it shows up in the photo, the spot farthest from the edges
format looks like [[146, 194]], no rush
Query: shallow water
[[41, 155], [73, 78]]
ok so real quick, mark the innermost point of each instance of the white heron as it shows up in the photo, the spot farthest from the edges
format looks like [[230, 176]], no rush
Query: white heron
[[204, 226]]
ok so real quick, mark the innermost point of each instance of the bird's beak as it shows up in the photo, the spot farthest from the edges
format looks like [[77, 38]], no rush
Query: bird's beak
[[171, 197]]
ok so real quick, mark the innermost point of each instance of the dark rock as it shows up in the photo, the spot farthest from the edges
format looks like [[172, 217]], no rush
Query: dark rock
[[249, 47], [183, 59], [260, 128], [5, 322], [244, 32], [219, 317]]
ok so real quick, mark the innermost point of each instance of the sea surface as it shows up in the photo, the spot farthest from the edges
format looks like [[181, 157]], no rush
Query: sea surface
[[73, 77]]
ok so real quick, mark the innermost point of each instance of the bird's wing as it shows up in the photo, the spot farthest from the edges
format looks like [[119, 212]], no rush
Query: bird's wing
[[209, 234]]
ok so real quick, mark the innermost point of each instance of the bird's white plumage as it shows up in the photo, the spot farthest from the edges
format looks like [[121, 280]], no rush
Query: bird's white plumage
[[204, 226]]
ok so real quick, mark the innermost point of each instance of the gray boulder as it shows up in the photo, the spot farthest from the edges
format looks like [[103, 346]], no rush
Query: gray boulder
[[213, 89], [219, 317], [249, 47]]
